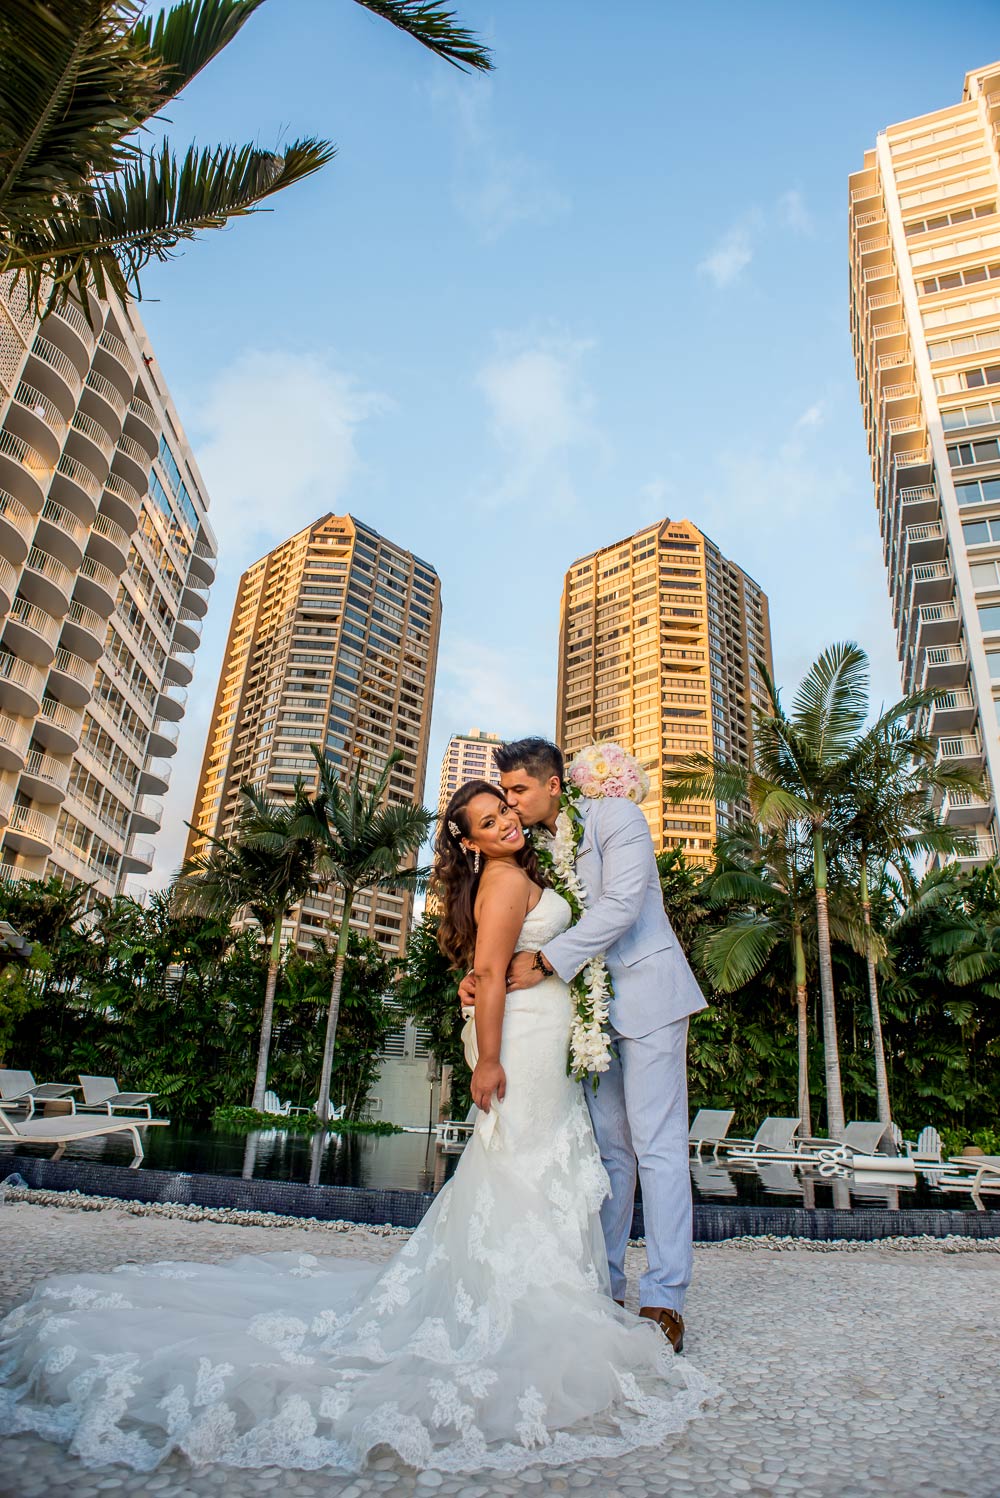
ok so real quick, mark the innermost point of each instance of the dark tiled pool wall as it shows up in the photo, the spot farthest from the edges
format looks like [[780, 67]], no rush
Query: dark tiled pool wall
[[405, 1208]]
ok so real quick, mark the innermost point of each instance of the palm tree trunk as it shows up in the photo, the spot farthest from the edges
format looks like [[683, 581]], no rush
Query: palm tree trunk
[[333, 1013], [878, 1045], [835, 1120], [267, 1018], [802, 1014]]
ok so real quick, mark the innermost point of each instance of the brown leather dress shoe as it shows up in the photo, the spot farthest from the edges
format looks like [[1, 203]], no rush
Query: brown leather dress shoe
[[618, 1302], [671, 1324]]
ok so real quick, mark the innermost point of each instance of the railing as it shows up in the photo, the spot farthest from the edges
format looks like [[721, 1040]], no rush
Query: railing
[[916, 457], [69, 719], [15, 514], [978, 847], [878, 272], [150, 808], [904, 424], [75, 319], [8, 576], [140, 852], [882, 299], [931, 572], [184, 658], [144, 411], [57, 360], [50, 568], [892, 361], [953, 701], [174, 693], [102, 440], [74, 666], [99, 574], [961, 746], [899, 392], [39, 405], [124, 491], [203, 549], [965, 801], [131, 449], [14, 736], [164, 729], [65, 521], [88, 482], [22, 673], [161, 769], [88, 619], [106, 768], [22, 452], [863, 220], [104, 388], [113, 532], [35, 824], [30, 616], [869, 246], [930, 530], [113, 345], [918, 496], [43, 767], [937, 613], [190, 620], [944, 655], [11, 873], [859, 194]]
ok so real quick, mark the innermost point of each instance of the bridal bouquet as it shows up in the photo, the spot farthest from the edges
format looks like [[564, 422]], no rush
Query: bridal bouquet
[[603, 769]]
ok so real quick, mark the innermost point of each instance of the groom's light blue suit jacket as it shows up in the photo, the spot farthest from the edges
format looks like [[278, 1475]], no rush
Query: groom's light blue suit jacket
[[624, 918]]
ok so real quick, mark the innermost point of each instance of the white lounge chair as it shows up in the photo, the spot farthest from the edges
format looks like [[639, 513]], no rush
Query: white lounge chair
[[926, 1148], [19, 1088], [101, 1093], [67, 1129], [709, 1126], [776, 1136], [972, 1173]]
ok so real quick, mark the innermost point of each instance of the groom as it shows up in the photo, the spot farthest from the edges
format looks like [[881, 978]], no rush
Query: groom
[[639, 1111]]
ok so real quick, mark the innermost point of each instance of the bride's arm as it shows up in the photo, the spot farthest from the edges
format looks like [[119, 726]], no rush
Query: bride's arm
[[502, 906]]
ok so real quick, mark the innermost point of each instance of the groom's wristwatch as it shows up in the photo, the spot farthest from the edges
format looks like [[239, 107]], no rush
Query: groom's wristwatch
[[540, 965]]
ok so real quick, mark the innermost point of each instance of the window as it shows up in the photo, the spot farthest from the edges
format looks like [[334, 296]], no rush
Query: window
[[971, 416], [966, 454], [984, 492], [989, 617], [984, 574], [993, 661], [976, 532]]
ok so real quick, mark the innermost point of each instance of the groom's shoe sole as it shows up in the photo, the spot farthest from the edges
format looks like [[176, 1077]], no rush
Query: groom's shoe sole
[[671, 1324]]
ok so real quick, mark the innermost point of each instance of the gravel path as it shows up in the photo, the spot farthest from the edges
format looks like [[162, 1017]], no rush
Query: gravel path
[[869, 1372]]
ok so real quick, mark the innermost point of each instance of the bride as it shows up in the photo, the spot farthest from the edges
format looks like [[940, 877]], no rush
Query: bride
[[489, 1341]]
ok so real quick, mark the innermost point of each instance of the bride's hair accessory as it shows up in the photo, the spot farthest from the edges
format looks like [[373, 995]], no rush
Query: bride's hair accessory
[[455, 831]]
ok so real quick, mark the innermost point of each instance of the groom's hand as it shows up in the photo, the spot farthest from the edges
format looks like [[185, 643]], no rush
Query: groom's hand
[[523, 971], [467, 991]]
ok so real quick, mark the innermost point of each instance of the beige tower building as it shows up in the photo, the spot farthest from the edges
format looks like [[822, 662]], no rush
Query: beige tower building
[[333, 642], [925, 322], [469, 756], [106, 557], [658, 641]]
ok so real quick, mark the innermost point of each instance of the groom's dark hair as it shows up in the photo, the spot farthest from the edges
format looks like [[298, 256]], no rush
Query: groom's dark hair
[[540, 758]]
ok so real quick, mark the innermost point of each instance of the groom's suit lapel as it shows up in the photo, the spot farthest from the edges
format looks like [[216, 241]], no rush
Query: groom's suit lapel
[[587, 841]]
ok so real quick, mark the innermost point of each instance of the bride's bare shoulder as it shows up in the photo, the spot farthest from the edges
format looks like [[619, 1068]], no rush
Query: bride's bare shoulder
[[503, 881]]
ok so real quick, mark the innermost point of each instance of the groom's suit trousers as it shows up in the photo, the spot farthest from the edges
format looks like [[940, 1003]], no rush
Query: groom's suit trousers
[[640, 1117]]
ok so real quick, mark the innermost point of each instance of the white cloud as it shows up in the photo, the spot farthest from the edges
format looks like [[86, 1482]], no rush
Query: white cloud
[[541, 413], [730, 258], [503, 690], [812, 416], [277, 445], [735, 249], [495, 186], [793, 213]]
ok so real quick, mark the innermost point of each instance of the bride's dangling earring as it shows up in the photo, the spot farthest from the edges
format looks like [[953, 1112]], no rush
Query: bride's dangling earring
[[475, 863]]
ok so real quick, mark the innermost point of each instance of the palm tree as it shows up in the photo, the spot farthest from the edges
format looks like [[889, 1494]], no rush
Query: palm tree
[[266, 870], [362, 842], [886, 817], [799, 769], [762, 874], [84, 201]]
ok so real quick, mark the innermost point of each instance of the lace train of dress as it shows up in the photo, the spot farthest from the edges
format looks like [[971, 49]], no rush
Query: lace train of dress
[[488, 1341]]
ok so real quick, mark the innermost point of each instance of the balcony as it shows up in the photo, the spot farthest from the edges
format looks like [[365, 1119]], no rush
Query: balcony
[[964, 751], [142, 425], [887, 367], [195, 600], [69, 316], [36, 418], [30, 632], [44, 779], [80, 489], [29, 831], [163, 738], [938, 624], [17, 527], [180, 668], [62, 534], [945, 666], [965, 809], [6, 802], [105, 401], [931, 582], [924, 543], [22, 685], [137, 858], [133, 461], [47, 582], [58, 726], [148, 815], [84, 632], [8, 584], [171, 703], [96, 586], [977, 848], [187, 632], [110, 543], [114, 361], [72, 677], [122, 502], [93, 441], [54, 372], [953, 712], [900, 431], [155, 777], [919, 504], [14, 740], [24, 471]]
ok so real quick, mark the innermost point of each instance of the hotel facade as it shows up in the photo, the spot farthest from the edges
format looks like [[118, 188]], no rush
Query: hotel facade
[[469, 756], [925, 323], [333, 641], [106, 558], [658, 643]]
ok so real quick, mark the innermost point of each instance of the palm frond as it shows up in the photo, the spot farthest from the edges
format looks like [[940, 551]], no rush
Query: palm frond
[[831, 703], [737, 953], [186, 37], [433, 25]]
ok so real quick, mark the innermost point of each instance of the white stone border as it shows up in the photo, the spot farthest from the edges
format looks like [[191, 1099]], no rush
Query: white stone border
[[236, 1217]]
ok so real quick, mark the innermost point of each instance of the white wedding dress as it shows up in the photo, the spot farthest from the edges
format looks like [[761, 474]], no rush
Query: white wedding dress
[[488, 1341]]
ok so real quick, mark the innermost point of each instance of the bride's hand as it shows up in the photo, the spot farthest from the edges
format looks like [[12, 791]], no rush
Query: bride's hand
[[488, 1078]]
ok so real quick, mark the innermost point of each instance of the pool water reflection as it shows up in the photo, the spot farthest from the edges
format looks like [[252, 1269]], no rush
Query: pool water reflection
[[411, 1162]]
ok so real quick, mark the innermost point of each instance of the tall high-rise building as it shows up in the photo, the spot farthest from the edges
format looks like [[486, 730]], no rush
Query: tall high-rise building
[[333, 641], [925, 322], [658, 640], [469, 756], [106, 557]]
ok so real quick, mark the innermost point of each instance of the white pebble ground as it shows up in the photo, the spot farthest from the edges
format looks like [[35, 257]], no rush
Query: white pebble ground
[[846, 1373]]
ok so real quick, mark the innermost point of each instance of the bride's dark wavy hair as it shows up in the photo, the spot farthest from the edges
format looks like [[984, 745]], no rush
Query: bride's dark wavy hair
[[453, 881]]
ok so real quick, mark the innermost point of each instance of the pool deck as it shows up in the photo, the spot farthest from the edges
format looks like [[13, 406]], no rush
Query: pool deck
[[867, 1371]]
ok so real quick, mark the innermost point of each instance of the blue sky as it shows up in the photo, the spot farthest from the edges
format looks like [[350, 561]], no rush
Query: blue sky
[[519, 317]]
